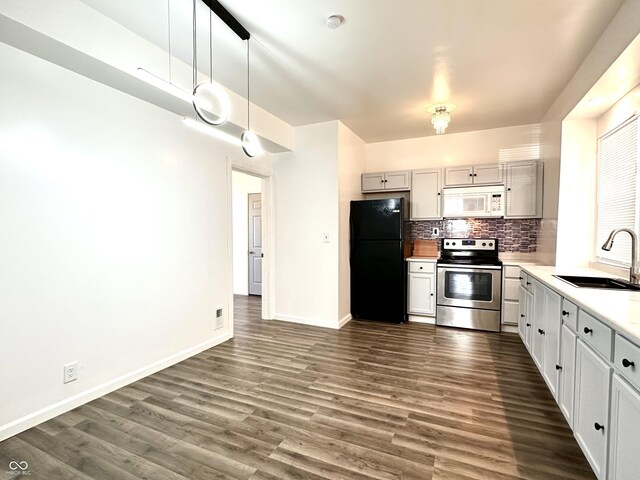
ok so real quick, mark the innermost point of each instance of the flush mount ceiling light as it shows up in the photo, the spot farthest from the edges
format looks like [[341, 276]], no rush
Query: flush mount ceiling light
[[209, 100], [441, 116], [334, 21], [250, 141]]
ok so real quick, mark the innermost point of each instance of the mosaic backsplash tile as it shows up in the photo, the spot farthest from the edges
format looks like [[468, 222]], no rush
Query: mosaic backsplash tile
[[514, 235]]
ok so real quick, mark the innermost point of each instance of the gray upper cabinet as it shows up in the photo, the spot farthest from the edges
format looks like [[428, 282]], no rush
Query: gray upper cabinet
[[426, 198], [523, 186], [386, 181], [470, 175]]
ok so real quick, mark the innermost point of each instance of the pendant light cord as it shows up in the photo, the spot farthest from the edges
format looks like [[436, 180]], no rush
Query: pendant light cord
[[195, 49], [210, 47], [248, 88], [169, 34]]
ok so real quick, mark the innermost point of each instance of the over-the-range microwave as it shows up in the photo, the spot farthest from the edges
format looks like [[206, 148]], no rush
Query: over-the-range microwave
[[485, 201]]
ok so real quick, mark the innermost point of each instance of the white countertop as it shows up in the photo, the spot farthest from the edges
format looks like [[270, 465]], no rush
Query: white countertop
[[421, 259], [619, 309]]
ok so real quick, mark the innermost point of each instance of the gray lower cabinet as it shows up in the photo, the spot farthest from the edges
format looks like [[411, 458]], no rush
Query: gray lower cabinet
[[591, 421], [624, 460], [566, 386]]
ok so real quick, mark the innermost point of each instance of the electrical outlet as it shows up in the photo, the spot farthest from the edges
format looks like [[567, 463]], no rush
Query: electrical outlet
[[70, 372], [219, 318], [436, 231]]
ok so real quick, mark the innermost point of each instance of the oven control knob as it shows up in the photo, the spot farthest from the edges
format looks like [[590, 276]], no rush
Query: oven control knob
[[447, 243], [491, 244], [484, 244], [453, 243]]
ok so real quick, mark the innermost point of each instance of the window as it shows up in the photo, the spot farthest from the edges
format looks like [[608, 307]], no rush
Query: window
[[617, 205]]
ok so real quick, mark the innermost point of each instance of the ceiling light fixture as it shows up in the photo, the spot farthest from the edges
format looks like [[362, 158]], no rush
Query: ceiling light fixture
[[209, 100], [250, 141], [334, 21], [440, 117]]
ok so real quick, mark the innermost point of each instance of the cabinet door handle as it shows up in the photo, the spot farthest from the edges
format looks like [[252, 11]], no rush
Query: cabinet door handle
[[564, 313], [626, 363], [597, 426], [475, 174], [528, 324], [438, 193], [528, 283], [509, 189], [522, 315], [588, 330], [558, 367], [471, 174], [540, 331], [520, 278], [420, 268], [432, 294]]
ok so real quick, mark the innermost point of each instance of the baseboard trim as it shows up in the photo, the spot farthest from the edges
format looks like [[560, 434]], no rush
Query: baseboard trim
[[314, 322], [346, 319], [421, 319], [509, 328], [31, 420]]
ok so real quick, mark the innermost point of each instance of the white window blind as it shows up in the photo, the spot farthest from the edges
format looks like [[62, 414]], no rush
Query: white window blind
[[617, 190]]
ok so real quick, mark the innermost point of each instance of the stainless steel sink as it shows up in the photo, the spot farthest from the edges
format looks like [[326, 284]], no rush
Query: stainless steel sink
[[598, 282]]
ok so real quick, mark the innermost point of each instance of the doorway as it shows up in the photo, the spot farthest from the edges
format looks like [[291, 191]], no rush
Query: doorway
[[247, 234], [254, 223]]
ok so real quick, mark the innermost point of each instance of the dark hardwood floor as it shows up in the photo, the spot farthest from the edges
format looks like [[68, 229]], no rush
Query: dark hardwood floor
[[286, 401]]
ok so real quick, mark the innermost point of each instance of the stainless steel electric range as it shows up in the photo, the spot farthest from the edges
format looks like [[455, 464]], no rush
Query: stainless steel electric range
[[469, 284]]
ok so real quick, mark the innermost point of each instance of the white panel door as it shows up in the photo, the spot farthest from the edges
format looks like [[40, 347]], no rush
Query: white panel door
[[591, 414], [422, 294], [488, 174], [566, 385], [397, 180], [624, 461], [552, 324], [426, 198], [529, 316], [538, 325], [521, 189], [458, 176], [372, 182], [255, 244]]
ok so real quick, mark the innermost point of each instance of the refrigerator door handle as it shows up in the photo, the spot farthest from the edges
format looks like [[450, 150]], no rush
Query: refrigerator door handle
[[350, 238]]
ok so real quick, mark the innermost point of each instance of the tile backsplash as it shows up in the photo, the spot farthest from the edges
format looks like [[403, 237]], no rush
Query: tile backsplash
[[514, 235]]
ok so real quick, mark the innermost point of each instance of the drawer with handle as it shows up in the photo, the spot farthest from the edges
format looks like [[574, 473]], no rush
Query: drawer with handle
[[422, 267], [526, 281], [570, 314], [596, 334], [511, 271], [627, 360]]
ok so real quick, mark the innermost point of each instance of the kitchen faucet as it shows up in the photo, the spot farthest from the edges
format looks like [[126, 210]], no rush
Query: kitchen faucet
[[634, 276]]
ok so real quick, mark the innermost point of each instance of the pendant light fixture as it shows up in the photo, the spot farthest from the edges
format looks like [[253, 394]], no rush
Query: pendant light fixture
[[161, 83], [441, 116], [209, 100], [250, 141]]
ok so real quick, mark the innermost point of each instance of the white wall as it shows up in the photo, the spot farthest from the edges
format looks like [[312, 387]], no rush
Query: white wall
[[482, 146], [577, 181], [113, 246], [242, 186], [306, 206], [351, 164], [622, 30]]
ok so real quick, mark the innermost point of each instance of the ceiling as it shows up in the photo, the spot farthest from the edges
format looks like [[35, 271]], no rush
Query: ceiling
[[501, 62]]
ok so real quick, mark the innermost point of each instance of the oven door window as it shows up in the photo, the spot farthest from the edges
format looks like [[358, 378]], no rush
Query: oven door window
[[477, 286]]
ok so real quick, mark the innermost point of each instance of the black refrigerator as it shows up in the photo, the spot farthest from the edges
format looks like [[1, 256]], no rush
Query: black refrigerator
[[378, 271]]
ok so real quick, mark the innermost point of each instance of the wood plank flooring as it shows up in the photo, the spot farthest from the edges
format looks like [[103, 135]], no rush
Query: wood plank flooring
[[285, 401]]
